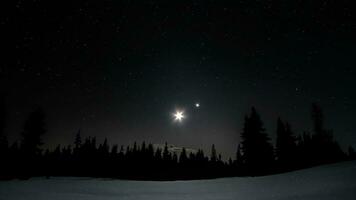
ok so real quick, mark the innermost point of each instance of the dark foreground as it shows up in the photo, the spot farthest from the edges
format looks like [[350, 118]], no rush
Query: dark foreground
[[335, 181]]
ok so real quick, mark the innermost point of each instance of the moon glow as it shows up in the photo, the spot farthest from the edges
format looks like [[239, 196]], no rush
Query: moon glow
[[178, 116]]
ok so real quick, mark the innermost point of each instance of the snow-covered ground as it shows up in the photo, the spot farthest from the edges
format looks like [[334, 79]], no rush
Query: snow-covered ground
[[336, 181]]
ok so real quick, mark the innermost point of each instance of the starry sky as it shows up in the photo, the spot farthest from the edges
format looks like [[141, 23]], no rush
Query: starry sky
[[119, 69]]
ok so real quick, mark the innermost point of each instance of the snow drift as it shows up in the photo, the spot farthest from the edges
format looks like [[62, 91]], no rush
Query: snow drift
[[336, 181]]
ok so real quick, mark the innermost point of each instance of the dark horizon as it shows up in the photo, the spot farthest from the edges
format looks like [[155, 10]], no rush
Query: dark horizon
[[120, 69], [206, 147], [255, 155]]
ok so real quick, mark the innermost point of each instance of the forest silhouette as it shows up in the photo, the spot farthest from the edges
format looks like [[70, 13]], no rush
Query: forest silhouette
[[255, 155]]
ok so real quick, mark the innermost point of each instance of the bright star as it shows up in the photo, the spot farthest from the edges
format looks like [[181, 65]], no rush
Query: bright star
[[178, 116], [197, 105]]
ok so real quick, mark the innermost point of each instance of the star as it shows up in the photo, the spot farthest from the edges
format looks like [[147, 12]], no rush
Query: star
[[197, 105]]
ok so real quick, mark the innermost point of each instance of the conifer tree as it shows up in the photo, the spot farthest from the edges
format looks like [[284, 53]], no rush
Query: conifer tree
[[183, 156], [351, 153], [114, 150], [213, 157], [285, 145], [34, 129], [78, 140], [175, 158], [324, 148], [166, 153], [256, 149], [239, 158]]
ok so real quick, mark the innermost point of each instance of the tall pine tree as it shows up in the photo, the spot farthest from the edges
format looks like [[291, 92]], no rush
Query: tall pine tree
[[257, 151], [324, 148], [285, 146], [34, 129], [213, 157]]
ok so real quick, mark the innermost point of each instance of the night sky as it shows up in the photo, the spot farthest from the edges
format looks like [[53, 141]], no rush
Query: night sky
[[120, 69]]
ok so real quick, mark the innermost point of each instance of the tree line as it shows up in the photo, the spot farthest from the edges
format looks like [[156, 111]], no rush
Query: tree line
[[255, 155]]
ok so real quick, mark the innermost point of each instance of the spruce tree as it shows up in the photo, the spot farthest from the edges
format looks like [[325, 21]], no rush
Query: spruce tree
[[158, 155], [183, 156], [166, 154], [114, 150], [239, 157], [285, 146], [257, 151], [34, 129], [213, 157], [351, 153], [324, 148], [78, 140]]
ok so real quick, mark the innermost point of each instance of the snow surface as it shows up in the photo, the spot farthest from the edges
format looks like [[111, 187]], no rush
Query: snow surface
[[336, 181]]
